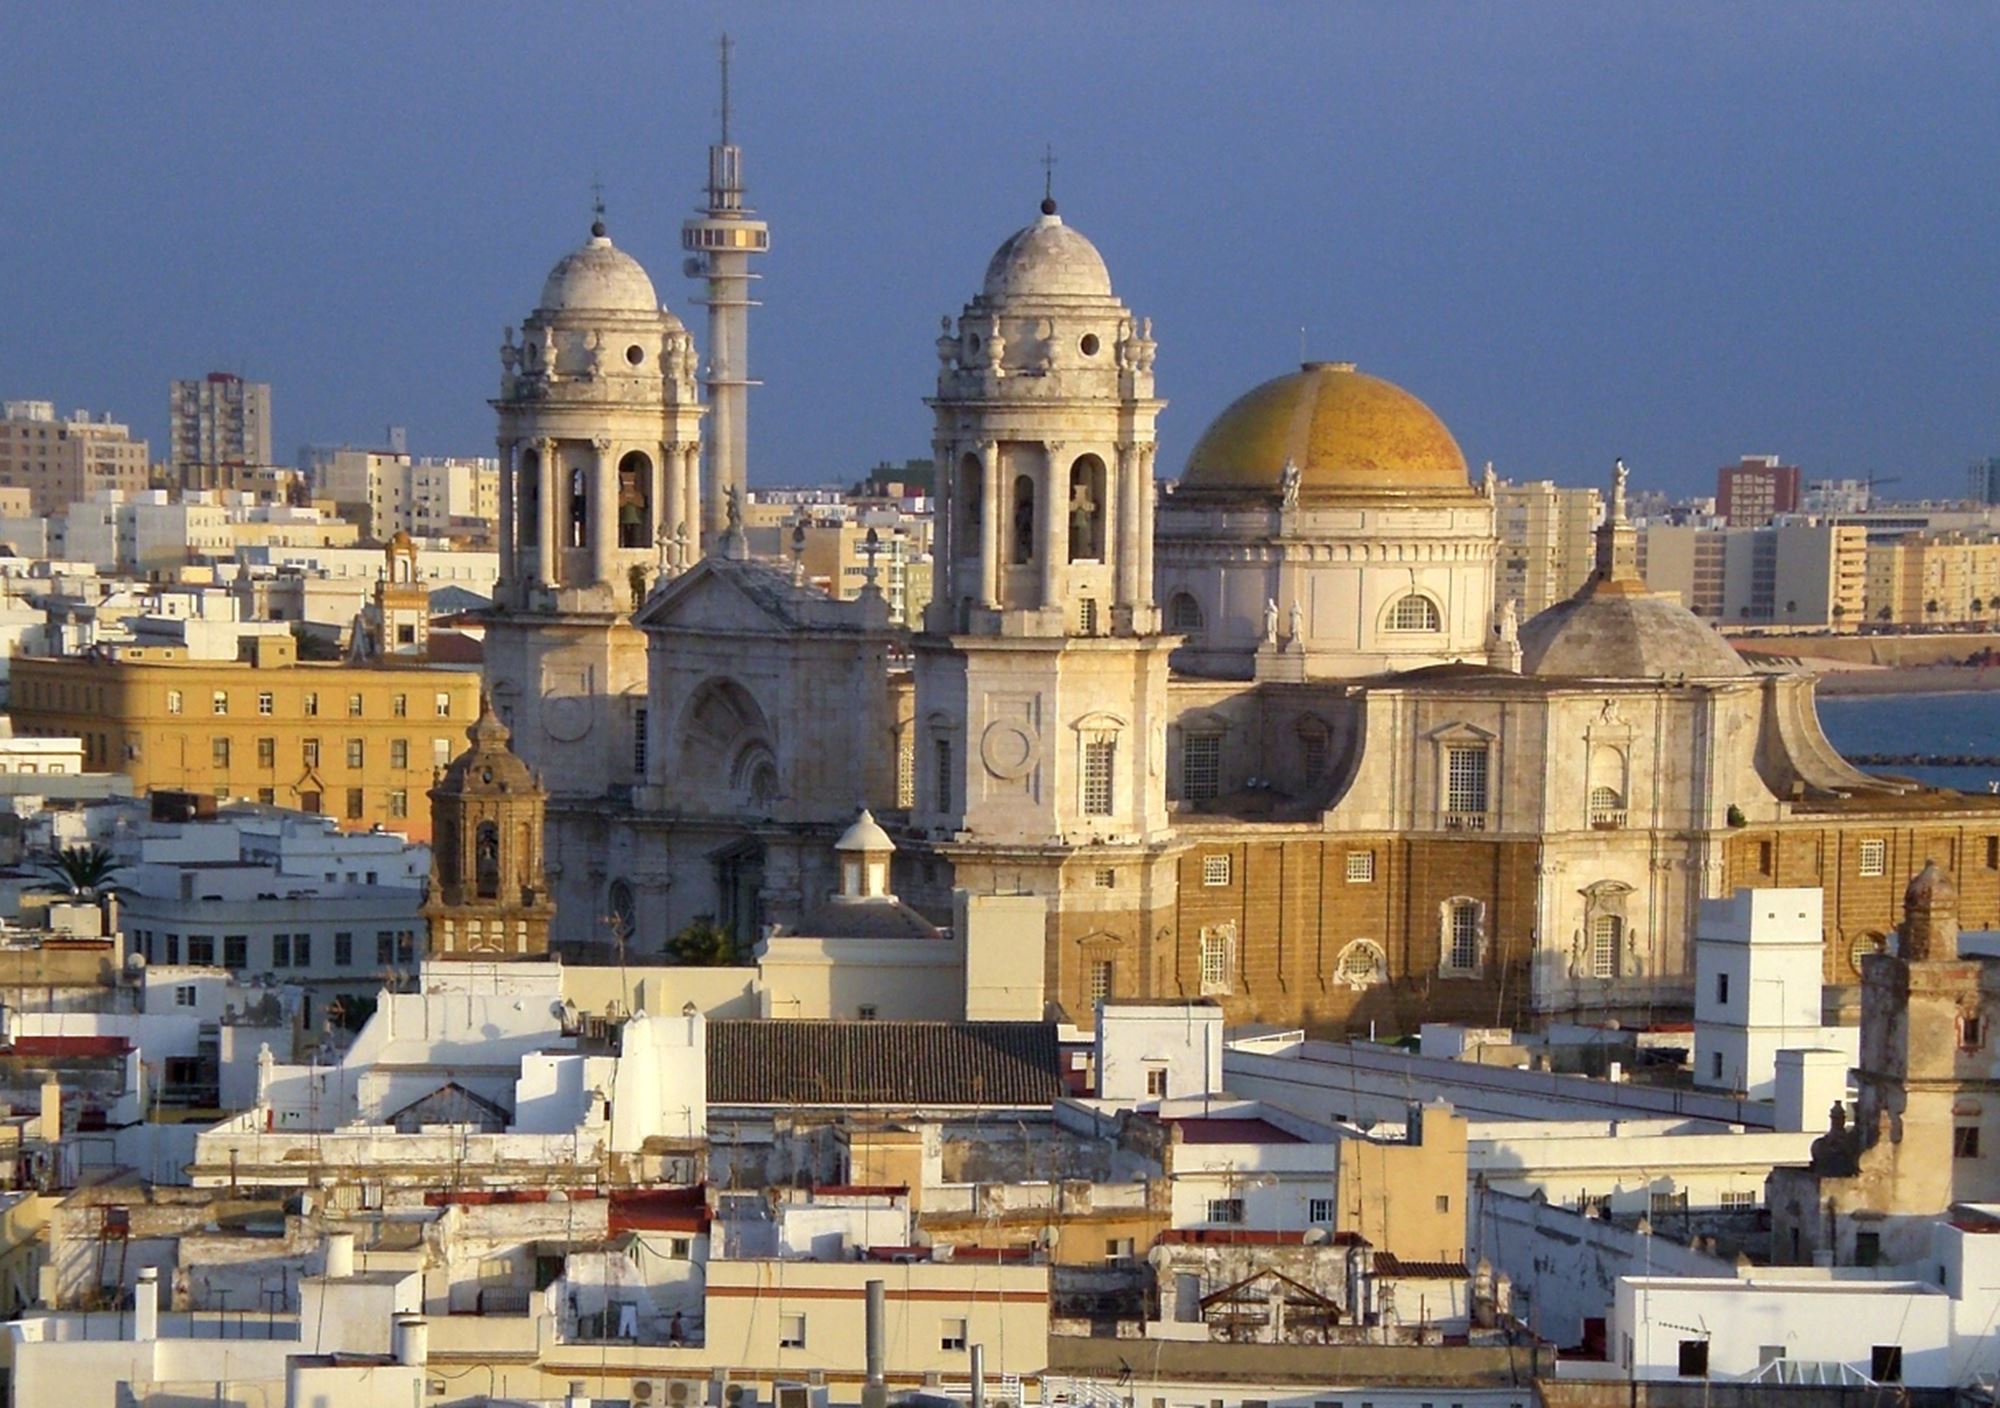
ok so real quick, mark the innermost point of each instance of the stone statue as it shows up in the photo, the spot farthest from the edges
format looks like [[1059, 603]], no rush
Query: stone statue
[[733, 507], [680, 546], [662, 540], [510, 355], [1295, 623], [548, 357], [1510, 619], [1270, 619], [947, 345], [1288, 485], [1489, 483], [996, 347]]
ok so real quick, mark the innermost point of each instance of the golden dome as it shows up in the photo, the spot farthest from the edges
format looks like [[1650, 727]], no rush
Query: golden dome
[[1349, 433]]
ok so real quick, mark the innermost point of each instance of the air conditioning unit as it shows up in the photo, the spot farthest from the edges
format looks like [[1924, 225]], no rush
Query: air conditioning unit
[[798, 1395], [739, 1395]]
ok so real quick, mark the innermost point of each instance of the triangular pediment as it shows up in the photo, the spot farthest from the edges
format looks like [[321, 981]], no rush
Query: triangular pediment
[[716, 594]]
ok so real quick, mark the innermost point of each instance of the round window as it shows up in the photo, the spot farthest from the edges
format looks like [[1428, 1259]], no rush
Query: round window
[[486, 774], [1089, 344], [635, 354]]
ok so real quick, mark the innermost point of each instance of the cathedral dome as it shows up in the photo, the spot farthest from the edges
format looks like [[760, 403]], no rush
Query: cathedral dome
[[1625, 634], [599, 278], [1346, 431], [1047, 260]]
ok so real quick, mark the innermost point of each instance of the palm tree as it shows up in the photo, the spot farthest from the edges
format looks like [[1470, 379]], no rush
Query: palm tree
[[82, 872]]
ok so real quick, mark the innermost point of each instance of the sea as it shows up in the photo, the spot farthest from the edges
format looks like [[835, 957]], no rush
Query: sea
[[1957, 724]]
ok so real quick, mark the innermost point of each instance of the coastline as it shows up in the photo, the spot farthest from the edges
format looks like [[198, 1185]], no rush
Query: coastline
[[1920, 679]]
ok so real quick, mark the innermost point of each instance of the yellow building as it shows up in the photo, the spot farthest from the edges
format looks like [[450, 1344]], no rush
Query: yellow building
[[362, 743], [1547, 542], [1934, 579], [836, 558]]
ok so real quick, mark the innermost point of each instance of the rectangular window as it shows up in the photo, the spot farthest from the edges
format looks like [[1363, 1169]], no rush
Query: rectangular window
[[219, 702], [309, 803], [281, 950], [309, 751], [1694, 1359], [357, 805], [357, 753], [639, 742], [1201, 767], [235, 952], [1086, 616], [399, 705], [1715, 1066], [1993, 852], [1215, 870], [1227, 1212], [302, 950], [1101, 974], [1874, 857], [353, 706], [1099, 758], [399, 754], [343, 950], [791, 1332], [1314, 746], [1739, 1200], [441, 701], [173, 701], [264, 702], [1319, 1210], [312, 705], [267, 752], [184, 995], [1107, 879], [219, 750], [1465, 936], [951, 1333], [385, 947], [1119, 1250], [173, 948], [1444, 1202], [1722, 989], [1156, 1082], [1214, 962], [1604, 934], [1965, 1142], [201, 950], [1465, 782], [943, 751], [1885, 1364], [1361, 867], [1867, 1248], [399, 803]]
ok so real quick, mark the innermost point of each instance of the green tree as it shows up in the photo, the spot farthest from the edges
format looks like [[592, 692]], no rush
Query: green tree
[[83, 872], [703, 945]]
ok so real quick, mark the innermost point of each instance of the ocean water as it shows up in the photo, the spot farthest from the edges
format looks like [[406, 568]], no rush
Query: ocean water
[[1919, 723]]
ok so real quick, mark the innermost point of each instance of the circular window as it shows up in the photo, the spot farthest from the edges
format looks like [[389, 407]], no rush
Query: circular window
[[1864, 946], [635, 354], [1089, 344], [486, 774]]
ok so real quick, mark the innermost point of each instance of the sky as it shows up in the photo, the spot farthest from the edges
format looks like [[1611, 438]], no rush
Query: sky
[[1673, 232]]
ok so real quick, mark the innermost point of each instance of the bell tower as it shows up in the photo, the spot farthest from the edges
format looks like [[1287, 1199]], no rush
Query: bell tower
[[599, 437], [489, 894], [1041, 672]]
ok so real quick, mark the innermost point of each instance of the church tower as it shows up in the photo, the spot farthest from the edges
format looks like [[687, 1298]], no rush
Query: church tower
[[1041, 674], [489, 893], [599, 441]]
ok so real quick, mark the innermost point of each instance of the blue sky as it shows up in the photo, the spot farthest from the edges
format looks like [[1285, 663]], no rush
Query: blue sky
[[1676, 232]]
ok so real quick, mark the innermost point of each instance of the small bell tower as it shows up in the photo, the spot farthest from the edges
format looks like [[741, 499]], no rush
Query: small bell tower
[[489, 894]]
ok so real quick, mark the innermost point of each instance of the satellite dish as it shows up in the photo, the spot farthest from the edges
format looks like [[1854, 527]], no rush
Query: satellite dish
[[1315, 1237]]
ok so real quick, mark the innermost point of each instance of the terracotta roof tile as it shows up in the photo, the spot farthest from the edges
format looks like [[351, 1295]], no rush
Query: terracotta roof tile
[[752, 1062]]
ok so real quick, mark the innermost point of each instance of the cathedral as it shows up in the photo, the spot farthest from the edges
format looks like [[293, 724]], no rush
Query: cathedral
[[1258, 732]]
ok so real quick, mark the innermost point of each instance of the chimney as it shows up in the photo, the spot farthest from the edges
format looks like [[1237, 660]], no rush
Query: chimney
[[412, 1340], [339, 1255], [875, 1391], [146, 1306]]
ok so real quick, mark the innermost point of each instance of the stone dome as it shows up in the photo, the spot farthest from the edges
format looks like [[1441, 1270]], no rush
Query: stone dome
[[489, 765], [1625, 634], [1348, 433], [866, 834], [1047, 260], [599, 278]]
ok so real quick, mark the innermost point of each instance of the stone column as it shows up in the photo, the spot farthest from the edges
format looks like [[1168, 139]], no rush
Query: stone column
[[1054, 531], [944, 460], [691, 509], [1149, 489], [1127, 521], [991, 510], [508, 567], [548, 490], [601, 527], [673, 503], [656, 500]]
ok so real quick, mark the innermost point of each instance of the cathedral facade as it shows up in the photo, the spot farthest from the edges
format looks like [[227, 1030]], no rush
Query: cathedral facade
[[1260, 733]]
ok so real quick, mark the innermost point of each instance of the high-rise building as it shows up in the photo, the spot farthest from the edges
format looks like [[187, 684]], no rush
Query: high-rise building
[[386, 492], [1546, 543], [1934, 579], [720, 242], [60, 462], [1982, 481], [1795, 573], [221, 425], [1751, 493]]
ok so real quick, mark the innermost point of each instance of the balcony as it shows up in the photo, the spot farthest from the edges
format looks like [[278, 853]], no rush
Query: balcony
[[1607, 818], [1465, 821]]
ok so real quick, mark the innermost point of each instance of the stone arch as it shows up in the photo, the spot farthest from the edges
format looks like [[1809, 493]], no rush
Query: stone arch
[[1413, 612], [968, 497], [635, 499], [528, 499], [719, 726], [1184, 614], [1085, 508], [576, 526], [1022, 541], [1361, 964]]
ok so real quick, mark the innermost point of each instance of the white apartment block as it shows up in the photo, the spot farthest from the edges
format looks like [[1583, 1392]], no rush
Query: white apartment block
[[387, 492], [1546, 545], [61, 460]]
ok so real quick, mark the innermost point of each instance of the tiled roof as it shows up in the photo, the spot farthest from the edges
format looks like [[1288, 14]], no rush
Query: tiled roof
[[752, 1062], [1388, 1264]]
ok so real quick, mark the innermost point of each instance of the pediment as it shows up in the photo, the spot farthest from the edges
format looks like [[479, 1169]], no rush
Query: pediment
[[718, 596], [1459, 731]]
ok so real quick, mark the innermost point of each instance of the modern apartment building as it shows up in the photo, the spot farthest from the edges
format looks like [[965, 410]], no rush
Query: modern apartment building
[[1750, 493], [1546, 547], [360, 743], [221, 425], [1808, 573], [60, 461], [386, 492], [1934, 579]]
